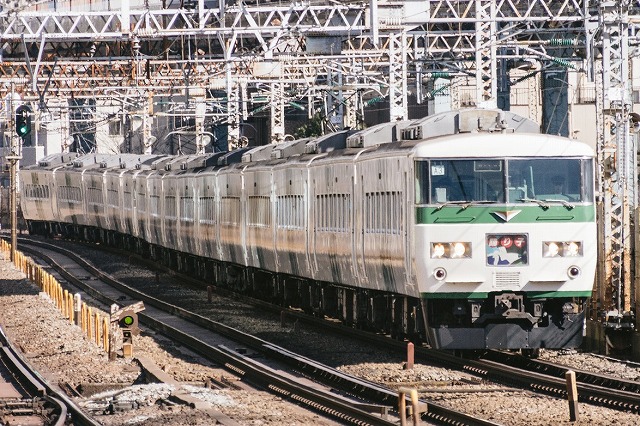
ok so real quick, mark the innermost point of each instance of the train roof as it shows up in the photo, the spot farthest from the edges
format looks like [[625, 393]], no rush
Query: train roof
[[379, 134], [55, 160], [259, 153], [469, 120], [396, 135], [232, 157], [475, 131], [187, 162], [289, 148], [94, 161], [502, 144]]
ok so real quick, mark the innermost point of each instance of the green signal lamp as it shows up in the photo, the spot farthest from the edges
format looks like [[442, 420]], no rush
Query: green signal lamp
[[23, 120], [128, 319]]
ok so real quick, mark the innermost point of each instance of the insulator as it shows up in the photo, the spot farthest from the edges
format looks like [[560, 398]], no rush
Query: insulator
[[439, 74], [562, 42], [563, 62]]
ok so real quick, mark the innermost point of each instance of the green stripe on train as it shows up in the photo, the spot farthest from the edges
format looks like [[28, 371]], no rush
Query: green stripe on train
[[456, 214], [530, 294]]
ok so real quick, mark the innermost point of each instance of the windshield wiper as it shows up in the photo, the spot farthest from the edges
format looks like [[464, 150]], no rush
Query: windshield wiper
[[544, 203], [464, 204], [452, 203], [563, 202], [541, 203], [477, 202]]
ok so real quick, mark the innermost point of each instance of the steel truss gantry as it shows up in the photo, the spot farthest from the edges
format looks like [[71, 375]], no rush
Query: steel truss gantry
[[91, 54], [77, 52], [617, 161]]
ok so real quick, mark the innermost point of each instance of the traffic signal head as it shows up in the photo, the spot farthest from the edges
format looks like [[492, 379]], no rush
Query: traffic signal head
[[128, 319], [23, 120]]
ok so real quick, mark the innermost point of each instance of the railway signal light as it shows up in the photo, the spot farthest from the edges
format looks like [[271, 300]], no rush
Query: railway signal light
[[128, 319], [23, 120]]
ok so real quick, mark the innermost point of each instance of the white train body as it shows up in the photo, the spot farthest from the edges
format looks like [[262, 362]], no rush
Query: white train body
[[441, 229]]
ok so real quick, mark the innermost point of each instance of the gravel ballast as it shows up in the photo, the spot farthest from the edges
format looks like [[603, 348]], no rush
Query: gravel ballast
[[61, 352]]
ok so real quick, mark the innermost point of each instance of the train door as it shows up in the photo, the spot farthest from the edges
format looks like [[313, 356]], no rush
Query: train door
[[359, 240], [291, 220], [409, 220], [382, 249], [170, 219], [129, 203], [312, 212]]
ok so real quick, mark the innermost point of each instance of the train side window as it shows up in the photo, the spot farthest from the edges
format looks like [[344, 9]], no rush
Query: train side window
[[154, 205], [186, 209], [587, 180], [128, 200], [207, 211], [141, 205], [112, 198], [333, 213], [289, 209], [259, 210], [94, 196], [422, 182], [383, 213], [170, 209]]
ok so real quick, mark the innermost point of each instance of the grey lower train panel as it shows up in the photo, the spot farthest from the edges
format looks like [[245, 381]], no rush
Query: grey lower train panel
[[510, 336]]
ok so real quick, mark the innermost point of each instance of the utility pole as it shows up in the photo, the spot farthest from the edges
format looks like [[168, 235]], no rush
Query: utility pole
[[13, 201], [617, 167], [13, 158], [486, 62]]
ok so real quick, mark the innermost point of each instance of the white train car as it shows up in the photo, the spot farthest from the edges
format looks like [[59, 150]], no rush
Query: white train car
[[292, 236], [468, 228], [232, 216], [118, 195], [133, 205], [151, 182], [207, 195], [383, 228], [508, 257], [39, 195], [260, 238]]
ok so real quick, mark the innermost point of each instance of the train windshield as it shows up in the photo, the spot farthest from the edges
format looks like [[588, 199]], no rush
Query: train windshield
[[542, 180], [550, 179]]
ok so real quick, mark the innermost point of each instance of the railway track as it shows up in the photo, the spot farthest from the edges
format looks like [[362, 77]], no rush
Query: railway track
[[496, 366], [618, 393], [260, 362], [26, 398], [516, 370]]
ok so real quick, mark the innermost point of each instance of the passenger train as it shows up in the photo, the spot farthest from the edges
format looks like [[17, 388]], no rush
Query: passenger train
[[468, 229]]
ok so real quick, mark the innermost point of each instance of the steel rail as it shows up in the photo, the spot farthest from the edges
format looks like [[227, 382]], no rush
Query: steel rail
[[37, 385], [252, 371], [335, 378]]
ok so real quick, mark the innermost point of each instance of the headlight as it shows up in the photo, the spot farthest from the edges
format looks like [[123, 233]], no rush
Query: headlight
[[551, 249], [455, 250], [459, 250], [572, 249], [562, 248], [437, 250]]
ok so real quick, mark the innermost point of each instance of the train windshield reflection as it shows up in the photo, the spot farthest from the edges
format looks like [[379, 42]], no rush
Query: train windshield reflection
[[542, 180], [550, 179]]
